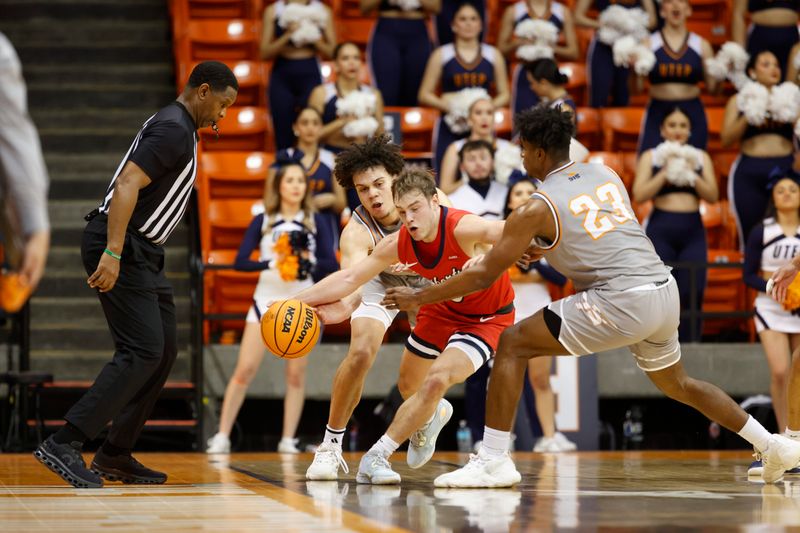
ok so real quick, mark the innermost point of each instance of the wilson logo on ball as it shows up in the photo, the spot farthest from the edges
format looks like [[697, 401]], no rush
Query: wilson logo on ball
[[290, 329]]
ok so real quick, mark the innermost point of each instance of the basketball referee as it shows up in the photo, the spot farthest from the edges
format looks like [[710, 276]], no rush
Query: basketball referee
[[123, 255]]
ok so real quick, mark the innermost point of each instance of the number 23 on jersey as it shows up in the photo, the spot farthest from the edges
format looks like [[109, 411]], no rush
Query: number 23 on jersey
[[605, 194]]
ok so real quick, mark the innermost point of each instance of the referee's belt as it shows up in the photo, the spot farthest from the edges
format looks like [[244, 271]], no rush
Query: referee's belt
[[96, 214], [506, 309]]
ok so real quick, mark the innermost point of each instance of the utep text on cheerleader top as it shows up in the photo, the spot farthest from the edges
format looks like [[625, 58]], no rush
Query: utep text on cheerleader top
[[555, 14], [677, 66], [457, 74], [331, 95], [767, 249]]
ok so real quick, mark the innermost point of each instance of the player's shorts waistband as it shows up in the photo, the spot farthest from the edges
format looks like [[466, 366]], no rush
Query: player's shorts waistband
[[506, 309], [650, 286]]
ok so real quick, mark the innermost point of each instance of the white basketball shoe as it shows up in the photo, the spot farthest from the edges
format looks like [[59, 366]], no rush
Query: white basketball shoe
[[376, 469], [781, 455], [219, 443], [482, 471], [422, 443], [326, 463]]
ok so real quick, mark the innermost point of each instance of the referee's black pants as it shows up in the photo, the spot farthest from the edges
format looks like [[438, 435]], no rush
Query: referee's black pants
[[141, 316]]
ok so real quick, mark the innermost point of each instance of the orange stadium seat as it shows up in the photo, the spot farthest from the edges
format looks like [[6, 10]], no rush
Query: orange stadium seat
[[716, 10], [217, 9], [715, 117], [576, 86], [725, 292], [621, 127], [416, 124], [585, 36], [228, 291], [219, 39], [251, 75], [613, 160], [243, 129], [629, 160], [589, 131], [723, 164], [716, 32], [642, 210], [226, 221], [355, 30], [504, 122], [235, 174], [347, 9]]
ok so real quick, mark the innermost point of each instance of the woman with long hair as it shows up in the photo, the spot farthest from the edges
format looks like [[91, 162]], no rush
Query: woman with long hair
[[295, 71], [465, 63], [770, 245], [762, 148], [547, 81], [675, 226], [291, 241]]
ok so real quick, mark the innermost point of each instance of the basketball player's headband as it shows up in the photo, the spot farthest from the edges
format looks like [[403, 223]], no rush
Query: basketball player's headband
[[779, 173]]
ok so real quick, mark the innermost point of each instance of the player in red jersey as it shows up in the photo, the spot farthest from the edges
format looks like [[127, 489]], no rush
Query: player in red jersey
[[455, 337]]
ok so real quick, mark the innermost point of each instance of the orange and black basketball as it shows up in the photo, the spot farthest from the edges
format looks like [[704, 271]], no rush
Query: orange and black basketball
[[290, 329]]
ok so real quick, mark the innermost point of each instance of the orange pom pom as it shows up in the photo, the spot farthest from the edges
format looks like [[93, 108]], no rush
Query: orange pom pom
[[13, 293], [792, 300]]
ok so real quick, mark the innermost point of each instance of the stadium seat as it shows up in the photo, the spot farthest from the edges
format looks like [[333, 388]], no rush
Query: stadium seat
[[217, 9], [251, 75], [713, 216], [621, 127], [219, 39], [243, 129], [347, 9], [226, 221], [723, 164], [629, 160], [725, 292], [355, 30], [585, 36], [228, 292], [504, 122], [589, 131], [642, 210], [714, 10], [416, 125], [715, 117], [576, 86], [716, 32], [235, 174], [612, 160]]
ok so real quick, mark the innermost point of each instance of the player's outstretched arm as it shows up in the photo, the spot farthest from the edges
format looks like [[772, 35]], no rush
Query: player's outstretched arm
[[342, 283], [524, 223]]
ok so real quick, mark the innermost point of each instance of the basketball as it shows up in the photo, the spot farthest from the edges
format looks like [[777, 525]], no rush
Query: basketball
[[290, 329]]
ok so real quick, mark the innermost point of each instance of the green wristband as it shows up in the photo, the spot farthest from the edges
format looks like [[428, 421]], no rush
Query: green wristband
[[112, 254]]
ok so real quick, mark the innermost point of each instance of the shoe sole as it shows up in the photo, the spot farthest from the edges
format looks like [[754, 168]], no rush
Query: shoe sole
[[112, 474], [55, 465], [432, 442], [476, 486], [366, 480]]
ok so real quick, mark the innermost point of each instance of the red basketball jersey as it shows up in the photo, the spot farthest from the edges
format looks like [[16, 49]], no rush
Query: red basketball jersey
[[443, 258]]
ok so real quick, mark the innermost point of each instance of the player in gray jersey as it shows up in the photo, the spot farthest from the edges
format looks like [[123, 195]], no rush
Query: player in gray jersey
[[581, 220]]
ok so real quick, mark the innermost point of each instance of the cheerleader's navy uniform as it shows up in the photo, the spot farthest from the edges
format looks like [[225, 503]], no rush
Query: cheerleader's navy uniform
[[680, 237], [290, 83], [767, 250], [604, 77], [262, 234], [458, 74], [398, 51], [777, 39], [747, 185], [675, 66], [522, 96]]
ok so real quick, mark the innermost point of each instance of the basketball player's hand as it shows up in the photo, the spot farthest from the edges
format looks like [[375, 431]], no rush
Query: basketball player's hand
[[334, 312], [400, 268], [781, 280], [402, 298], [105, 277], [531, 255]]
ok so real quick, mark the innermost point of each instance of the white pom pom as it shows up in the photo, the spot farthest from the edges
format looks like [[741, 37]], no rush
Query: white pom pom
[[507, 158], [297, 13], [753, 100], [362, 127], [356, 104], [306, 33], [737, 57], [679, 172], [459, 104], [539, 31], [532, 52], [645, 60], [739, 79], [784, 102], [664, 152], [716, 68], [617, 22], [406, 5], [624, 50]]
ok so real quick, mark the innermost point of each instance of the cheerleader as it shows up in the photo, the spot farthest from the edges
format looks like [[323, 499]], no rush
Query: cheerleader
[[762, 148], [680, 56], [444, 19], [522, 97], [295, 71], [675, 226], [773, 27], [399, 47], [771, 245], [547, 82], [329, 197], [481, 127], [462, 64], [292, 243], [605, 79]]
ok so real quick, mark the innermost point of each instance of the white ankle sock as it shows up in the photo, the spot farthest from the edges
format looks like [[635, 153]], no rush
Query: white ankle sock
[[793, 434], [495, 442], [754, 433], [385, 446], [333, 436]]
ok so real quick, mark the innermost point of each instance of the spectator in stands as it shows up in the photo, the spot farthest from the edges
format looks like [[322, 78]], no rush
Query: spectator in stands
[[444, 19], [675, 226], [773, 27], [399, 48], [290, 238], [762, 149], [531, 294], [463, 64], [522, 97], [680, 56], [481, 124], [771, 245], [329, 197], [295, 71], [604, 77], [480, 193], [548, 82], [793, 67]]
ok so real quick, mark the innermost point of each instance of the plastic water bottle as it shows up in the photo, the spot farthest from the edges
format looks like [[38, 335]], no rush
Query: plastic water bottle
[[632, 429], [464, 437]]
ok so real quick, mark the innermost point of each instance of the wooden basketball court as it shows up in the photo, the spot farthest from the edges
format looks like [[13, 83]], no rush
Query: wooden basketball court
[[264, 492]]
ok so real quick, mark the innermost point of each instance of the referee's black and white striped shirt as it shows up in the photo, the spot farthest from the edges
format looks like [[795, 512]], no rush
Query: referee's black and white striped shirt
[[166, 149]]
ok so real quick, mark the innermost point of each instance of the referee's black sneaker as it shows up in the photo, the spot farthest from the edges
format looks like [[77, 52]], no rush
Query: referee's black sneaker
[[66, 461], [126, 469]]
